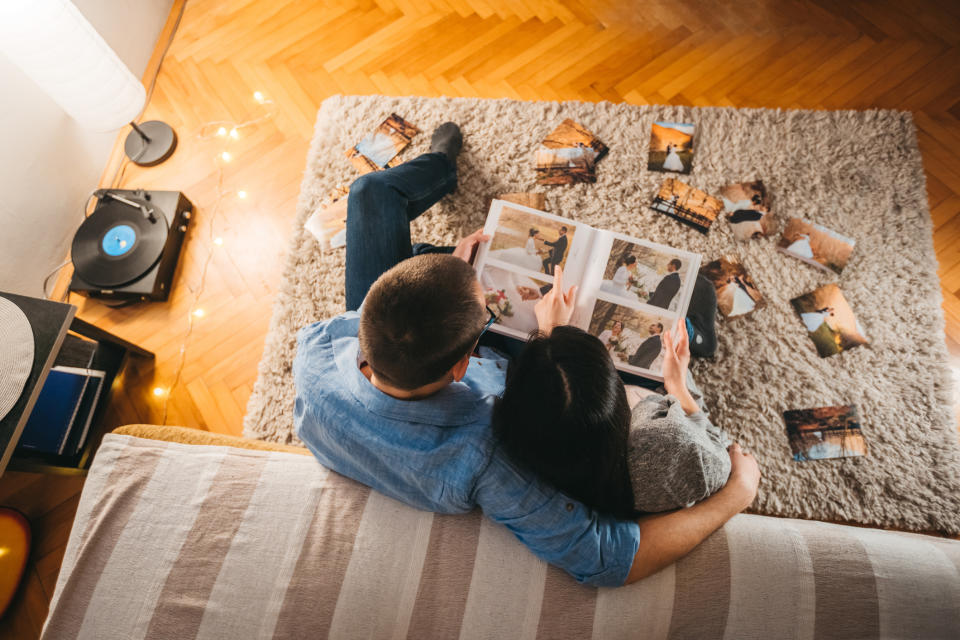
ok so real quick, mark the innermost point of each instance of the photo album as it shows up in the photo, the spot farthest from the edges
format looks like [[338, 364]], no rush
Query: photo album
[[630, 290]]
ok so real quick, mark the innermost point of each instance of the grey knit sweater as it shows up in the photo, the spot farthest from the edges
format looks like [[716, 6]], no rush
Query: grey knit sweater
[[674, 459]]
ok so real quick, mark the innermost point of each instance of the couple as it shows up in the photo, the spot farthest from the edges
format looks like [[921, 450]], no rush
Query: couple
[[620, 342], [393, 397]]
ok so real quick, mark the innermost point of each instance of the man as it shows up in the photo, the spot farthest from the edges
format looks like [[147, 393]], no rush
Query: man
[[668, 287], [392, 397], [557, 249], [649, 349]]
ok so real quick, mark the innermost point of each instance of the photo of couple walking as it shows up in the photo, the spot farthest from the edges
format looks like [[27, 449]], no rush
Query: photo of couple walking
[[530, 242], [643, 274]]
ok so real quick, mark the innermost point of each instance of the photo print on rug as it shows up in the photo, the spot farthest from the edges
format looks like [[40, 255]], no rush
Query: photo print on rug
[[737, 294], [632, 336], [671, 147], [829, 320], [816, 245], [533, 242], [569, 155], [688, 205], [825, 432], [379, 149], [747, 205], [644, 274]]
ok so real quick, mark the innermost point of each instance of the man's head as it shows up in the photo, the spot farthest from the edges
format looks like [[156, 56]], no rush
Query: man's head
[[420, 319], [656, 329], [563, 231], [674, 265]]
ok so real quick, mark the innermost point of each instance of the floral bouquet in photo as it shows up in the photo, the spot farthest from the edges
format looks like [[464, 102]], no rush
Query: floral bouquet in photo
[[636, 286], [498, 301]]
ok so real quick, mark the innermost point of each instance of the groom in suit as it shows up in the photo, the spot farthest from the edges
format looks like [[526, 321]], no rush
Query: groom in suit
[[557, 249], [649, 349], [668, 287]]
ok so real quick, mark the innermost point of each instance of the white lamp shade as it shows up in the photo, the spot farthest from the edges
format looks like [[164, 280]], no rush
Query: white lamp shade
[[57, 48]]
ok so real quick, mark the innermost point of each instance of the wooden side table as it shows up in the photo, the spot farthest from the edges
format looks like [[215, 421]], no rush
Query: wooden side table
[[50, 322]]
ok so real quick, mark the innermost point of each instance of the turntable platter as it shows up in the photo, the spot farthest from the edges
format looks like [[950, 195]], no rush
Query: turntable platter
[[117, 244]]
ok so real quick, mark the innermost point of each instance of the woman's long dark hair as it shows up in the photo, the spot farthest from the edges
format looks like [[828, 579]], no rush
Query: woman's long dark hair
[[564, 415]]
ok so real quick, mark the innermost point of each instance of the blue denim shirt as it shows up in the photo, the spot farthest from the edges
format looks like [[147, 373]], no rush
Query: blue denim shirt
[[439, 454]]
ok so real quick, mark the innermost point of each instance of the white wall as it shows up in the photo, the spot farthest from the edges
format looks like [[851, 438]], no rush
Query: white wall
[[49, 164]]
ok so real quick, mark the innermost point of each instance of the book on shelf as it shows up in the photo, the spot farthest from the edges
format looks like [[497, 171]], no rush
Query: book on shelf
[[630, 290], [61, 417]]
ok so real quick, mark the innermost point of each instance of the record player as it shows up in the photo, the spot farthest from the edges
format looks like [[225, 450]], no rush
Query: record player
[[127, 248]]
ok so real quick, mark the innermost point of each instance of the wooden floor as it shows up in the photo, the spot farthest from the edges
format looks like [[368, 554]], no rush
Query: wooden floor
[[811, 54]]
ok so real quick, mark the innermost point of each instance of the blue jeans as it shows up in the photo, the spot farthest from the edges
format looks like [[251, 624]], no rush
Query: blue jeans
[[379, 210]]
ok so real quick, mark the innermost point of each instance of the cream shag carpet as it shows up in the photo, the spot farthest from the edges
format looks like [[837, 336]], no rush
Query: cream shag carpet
[[859, 173]]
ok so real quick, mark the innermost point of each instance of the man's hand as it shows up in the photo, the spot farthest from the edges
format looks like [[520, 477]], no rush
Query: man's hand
[[676, 362], [744, 475], [555, 308], [466, 249]]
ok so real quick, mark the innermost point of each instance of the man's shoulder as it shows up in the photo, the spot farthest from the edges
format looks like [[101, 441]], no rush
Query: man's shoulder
[[345, 325]]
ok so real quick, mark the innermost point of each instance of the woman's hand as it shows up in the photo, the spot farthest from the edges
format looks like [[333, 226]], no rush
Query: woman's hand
[[676, 362], [555, 308]]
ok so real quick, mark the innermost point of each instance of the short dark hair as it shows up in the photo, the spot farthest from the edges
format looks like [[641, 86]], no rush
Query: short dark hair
[[419, 319], [564, 415], [563, 228], [660, 325], [676, 263], [533, 231]]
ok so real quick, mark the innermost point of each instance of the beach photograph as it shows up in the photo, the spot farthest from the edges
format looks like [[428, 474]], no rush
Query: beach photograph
[[568, 155], [632, 337], [737, 294], [644, 274], [379, 149], [747, 207], [532, 242], [824, 433], [816, 245], [512, 297], [671, 147], [829, 320], [688, 205]]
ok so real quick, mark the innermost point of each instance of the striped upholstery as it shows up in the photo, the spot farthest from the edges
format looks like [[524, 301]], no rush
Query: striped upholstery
[[182, 541]]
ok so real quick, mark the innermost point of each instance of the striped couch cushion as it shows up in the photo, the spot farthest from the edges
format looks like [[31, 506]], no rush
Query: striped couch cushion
[[185, 541]]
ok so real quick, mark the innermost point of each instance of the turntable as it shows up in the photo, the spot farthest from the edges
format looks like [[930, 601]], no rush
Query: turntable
[[127, 249]]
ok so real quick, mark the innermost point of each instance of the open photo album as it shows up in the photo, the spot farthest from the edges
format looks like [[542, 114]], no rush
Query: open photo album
[[630, 290]]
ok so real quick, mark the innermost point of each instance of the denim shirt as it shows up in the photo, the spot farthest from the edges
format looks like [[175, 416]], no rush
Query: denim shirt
[[439, 454]]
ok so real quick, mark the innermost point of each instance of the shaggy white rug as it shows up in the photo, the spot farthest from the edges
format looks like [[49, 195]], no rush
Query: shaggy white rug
[[859, 173]]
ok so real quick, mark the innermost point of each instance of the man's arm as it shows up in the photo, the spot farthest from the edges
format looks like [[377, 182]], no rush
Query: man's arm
[[665, 538]]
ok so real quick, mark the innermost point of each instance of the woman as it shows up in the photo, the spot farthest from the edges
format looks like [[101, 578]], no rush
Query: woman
[[565, 414], [737, 295], [620, 284], [673, 162], [525, 256], [612, 337]]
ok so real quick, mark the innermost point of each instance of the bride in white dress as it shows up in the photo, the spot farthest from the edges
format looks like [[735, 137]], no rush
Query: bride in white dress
[[741, 302], [813, 319], [525, 256], [673, 162], [801, 246]]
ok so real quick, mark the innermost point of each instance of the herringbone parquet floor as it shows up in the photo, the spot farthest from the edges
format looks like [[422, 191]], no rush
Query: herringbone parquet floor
[[810, 54]]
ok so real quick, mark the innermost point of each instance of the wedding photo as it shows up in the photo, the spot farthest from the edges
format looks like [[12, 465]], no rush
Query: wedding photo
[[568, 155], [379, 149], [816, 245], [671, 147], [825, 432], [748, 210], [688, 205], [829, 320], [531, 241], [512, 297], [644, 274], [631, 336], [737, 295]]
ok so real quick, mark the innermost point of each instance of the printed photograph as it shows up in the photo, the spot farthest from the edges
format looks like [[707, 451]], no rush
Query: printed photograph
[[829, 320], [644, 274], [379, 149], [329, 223], [632, 337], [825, 432], [531, 241], [747, 205], [671, 147], [686, 204], [816, 245], [737, 295], [569, 155], [512, 296]]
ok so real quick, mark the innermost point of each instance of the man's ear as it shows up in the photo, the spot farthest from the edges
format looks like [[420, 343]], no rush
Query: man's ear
[[460, 369]]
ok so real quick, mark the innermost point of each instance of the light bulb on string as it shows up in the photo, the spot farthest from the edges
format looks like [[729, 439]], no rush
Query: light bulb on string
[[222, 131], [241, 194], [226, 157], [258, 96], [234, 133]]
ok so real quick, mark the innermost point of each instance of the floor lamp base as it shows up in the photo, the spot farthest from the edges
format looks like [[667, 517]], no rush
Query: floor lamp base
[[150, 143]]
